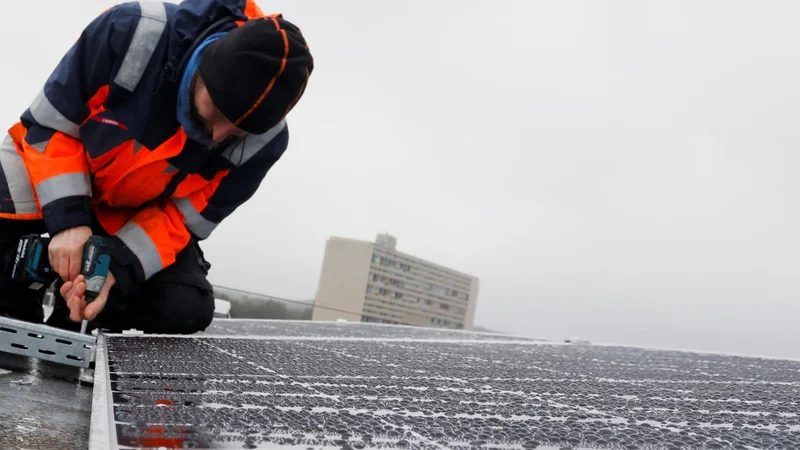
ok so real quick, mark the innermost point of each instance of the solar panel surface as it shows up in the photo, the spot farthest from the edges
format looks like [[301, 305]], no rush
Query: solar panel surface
[[254, 384]]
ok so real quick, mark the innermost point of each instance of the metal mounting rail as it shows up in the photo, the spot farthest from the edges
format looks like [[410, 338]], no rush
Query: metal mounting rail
[[48, 343]]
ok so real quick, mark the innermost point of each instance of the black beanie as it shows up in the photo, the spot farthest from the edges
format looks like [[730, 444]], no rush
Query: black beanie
[[256, 73]]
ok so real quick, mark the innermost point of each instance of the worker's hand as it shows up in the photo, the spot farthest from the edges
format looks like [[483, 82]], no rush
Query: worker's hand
[[74, 292], [65, 251]]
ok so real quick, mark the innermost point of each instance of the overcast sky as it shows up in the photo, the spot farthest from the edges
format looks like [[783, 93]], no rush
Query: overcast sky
[[620, 171]]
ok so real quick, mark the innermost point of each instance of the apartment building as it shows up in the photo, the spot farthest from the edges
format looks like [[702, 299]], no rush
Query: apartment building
[[373, 282]]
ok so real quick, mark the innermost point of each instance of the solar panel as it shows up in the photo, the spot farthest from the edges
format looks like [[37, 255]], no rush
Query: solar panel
[[305, 328], [355, 386]]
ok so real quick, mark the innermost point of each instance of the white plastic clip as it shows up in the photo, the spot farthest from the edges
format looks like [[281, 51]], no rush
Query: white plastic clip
[[133, 331]]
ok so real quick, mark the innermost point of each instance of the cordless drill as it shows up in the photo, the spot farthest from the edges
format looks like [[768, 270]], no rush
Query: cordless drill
[[32, 264]]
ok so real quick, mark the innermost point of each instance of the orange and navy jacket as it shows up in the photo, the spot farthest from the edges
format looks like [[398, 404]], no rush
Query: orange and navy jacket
[[101, 143]]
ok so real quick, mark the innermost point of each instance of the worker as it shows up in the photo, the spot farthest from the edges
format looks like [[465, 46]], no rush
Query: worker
[[157, 124]]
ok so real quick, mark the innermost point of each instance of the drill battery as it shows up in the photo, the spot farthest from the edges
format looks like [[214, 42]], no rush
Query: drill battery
[[32, 263]]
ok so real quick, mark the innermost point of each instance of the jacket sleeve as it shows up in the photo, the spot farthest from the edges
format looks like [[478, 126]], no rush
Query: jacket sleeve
[[151, 240], [52, 147]]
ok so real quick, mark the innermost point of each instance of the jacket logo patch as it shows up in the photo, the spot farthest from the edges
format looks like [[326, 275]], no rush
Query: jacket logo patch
[[108, 121]]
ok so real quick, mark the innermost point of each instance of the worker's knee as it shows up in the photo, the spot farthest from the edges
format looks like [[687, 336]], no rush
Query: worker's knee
[[185, 297], [185, 309], [163, 308], [176, 300]]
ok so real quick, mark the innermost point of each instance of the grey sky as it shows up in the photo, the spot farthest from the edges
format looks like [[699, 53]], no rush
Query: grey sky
[[620, 171]]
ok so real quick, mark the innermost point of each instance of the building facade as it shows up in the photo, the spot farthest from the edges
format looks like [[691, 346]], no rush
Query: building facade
[[373, 282]]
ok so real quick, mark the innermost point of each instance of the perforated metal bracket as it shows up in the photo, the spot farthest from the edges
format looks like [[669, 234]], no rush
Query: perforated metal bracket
[[44, 342]]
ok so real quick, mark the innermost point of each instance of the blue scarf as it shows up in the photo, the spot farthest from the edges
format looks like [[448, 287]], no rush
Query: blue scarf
[[193, 129]]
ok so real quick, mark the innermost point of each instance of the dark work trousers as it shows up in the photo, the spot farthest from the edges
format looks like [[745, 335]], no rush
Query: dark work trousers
[[177, 300]]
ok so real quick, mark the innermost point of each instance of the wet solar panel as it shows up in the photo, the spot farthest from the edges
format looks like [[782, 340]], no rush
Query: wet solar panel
[[247, 327], [354, 386]]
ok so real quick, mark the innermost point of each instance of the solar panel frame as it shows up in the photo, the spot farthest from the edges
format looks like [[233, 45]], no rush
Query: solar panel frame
[[103, 433]]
